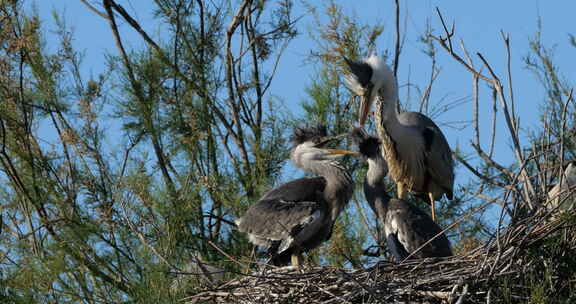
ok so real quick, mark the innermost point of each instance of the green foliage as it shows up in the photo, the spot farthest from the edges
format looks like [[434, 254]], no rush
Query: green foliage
[[345, 248], [557, 115], [330, 102], [113, 184]]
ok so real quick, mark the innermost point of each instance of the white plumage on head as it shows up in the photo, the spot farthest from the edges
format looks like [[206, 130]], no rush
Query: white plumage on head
[[375, 72], [383, 79], [352, 83], [381, 72]]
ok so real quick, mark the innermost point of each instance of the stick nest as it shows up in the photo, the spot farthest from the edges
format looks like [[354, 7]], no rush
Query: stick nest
[[507, 269]]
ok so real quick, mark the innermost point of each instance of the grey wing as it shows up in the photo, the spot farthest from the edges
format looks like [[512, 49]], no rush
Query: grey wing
[[414, 228], [393, 241], [298, 190], [279, 220], [439, 162], [399, 236]]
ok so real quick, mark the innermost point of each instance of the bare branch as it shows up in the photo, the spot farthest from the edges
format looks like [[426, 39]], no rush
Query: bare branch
[[95, 10], [397, 49]]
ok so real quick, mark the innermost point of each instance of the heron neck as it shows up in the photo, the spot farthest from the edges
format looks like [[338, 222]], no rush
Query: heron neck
[[386, 117], [387, 111], [339, 186], [377, 170], [377, 198], [375, 187]]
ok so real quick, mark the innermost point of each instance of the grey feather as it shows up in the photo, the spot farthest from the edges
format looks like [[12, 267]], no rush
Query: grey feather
[[417, 153], [437, 157], [277, 219], [360, 70], [410, 227], [406, 227], [299, 215]]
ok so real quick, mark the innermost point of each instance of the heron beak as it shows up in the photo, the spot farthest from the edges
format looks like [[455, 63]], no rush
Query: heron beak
[[365, 104], [341, 152]]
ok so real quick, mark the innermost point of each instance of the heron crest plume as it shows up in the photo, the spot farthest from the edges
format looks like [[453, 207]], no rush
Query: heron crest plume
[[308, 133], [367, 144], [382, 74], [370, 70]]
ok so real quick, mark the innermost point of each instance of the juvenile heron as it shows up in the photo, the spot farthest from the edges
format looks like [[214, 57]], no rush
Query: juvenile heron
[[417, 153], [299, 215], [406, 227]]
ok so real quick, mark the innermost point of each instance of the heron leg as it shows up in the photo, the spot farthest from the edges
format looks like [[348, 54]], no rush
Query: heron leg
[[297, 260], [401, 191], [432, 201]]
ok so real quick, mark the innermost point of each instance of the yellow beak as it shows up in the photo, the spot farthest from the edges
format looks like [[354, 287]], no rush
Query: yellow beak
[[365, 104], [341, 152]]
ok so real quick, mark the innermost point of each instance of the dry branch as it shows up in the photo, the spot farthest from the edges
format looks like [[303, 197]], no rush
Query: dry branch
[[474, 277]]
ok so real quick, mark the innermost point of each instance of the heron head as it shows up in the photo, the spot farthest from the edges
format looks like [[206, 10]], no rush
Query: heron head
[[368, 145], [369, 78], [309, 146]]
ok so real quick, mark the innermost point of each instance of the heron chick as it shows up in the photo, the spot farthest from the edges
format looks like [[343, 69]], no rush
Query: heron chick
[[299, 215], [406, 227], [417, 153]]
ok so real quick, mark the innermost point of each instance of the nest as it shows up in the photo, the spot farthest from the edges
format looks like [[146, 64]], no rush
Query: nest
[[500, 271]]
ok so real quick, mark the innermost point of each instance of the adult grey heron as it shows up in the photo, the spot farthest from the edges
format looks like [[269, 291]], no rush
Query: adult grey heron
[[406, 227], [418, 155], [298, 216]]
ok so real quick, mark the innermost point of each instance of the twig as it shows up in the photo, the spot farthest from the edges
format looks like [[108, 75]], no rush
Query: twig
[[397, 49], [227, 255], [463, 296], [458, 221], [528, 188], [92, 8], [506, 38], [448, 47]]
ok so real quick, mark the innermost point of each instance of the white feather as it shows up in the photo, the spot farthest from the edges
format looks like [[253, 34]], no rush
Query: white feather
[[285, 244], [258, 240], [381, 72], [312, 218], [562, 195], [391, 229], [570, 175], [307, 222], [353, 85], [382, 78]]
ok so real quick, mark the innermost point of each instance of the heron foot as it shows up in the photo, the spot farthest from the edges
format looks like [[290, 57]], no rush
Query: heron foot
[[296, 260], [432, 201], [401, 191]]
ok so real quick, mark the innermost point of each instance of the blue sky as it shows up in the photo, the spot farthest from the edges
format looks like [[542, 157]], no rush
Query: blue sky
[[478, 23]]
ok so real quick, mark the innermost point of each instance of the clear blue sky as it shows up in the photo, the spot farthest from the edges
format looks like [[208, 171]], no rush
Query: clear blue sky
[[478, 22]]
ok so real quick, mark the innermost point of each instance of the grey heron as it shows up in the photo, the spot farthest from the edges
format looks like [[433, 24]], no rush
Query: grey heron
[[406, 227], [561, 196], [299, 215], [418, 155]]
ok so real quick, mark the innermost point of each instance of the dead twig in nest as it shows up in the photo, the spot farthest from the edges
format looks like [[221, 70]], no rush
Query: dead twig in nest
[[458, 279]]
